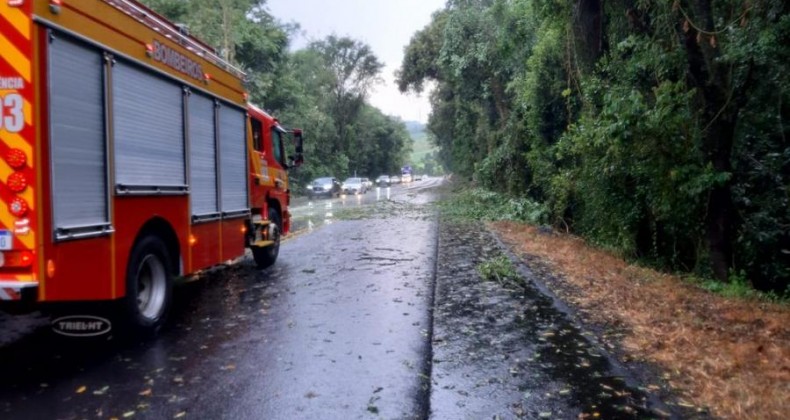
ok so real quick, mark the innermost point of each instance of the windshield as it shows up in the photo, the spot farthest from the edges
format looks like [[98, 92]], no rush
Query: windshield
[[353, 180]]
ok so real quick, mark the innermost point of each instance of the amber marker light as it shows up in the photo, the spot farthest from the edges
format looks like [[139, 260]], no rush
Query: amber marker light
[[192, 240], [50, 268], [149, 50]]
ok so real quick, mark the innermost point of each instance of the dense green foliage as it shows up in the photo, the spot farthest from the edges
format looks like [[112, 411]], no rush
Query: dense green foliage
[[322, 88], [501, 270], [655, 128], [480, 204]]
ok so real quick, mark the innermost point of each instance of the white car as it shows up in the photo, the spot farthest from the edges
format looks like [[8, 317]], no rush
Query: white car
[[354, 186], [367, 183]]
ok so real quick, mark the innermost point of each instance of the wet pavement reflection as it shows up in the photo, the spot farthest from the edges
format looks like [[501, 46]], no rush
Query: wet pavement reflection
[[308, 215], [375, 309], [337, 328]]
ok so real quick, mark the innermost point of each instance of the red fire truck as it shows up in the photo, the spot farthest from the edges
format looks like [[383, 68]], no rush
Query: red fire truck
[[129, 156]]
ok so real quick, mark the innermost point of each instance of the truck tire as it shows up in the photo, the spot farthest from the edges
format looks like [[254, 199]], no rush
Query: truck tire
[[149, 286], [266, 256]]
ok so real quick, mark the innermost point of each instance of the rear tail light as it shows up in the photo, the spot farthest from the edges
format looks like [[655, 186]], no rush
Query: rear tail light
[[16, 259], [16, 182], [16, 158]]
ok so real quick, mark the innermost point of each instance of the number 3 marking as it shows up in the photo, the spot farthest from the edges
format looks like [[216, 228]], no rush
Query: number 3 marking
[[15, 119]]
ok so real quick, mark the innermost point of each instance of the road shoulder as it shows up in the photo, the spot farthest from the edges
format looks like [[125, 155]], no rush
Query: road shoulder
[[506, 350]]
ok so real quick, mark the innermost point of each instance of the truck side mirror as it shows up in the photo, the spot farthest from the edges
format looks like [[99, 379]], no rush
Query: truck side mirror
[[298, 159]]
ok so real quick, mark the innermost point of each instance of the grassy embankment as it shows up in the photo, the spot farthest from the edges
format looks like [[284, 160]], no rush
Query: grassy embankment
[[723, 348]]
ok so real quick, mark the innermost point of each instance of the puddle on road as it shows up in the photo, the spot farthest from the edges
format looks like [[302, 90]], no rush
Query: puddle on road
[[310, 215]]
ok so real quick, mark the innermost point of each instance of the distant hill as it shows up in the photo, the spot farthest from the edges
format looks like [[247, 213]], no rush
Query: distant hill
[[415, 128], [421, 144]]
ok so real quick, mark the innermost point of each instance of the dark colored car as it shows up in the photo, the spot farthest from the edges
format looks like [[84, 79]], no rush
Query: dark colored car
[[383, 181], [324, 187]]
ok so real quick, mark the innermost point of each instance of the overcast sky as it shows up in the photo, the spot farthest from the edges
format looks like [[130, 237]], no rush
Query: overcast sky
[[386, 25]]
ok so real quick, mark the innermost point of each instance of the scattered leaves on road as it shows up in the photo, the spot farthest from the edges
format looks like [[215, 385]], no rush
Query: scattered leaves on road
[[101, 391], [713, 344]]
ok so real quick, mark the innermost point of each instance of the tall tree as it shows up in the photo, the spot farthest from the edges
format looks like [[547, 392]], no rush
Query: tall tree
[[355, 69], [654, 128]]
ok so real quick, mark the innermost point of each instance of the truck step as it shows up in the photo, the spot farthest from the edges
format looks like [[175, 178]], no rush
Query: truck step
[[261, 244], [261, 222]]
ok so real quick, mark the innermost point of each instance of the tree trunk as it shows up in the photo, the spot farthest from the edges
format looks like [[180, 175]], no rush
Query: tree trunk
[[719, 113], [588, 32], [720, 223]]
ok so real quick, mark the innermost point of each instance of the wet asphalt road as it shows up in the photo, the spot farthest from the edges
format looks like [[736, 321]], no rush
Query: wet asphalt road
[[373, 310], [337, 328]]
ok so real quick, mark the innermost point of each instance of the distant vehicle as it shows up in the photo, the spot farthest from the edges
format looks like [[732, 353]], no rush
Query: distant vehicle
[[324, 187], [405, 174], [367, 183], [354, 186], [383, 181], [394, 179], [418, 177]]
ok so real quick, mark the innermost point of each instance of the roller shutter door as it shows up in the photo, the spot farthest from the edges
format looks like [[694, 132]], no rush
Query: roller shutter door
[[233, 159], [203, 156], [149, 129], [78, 140]]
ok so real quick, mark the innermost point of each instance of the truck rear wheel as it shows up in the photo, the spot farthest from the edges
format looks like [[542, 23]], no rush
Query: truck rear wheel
[[266, 256], [149, 286]]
